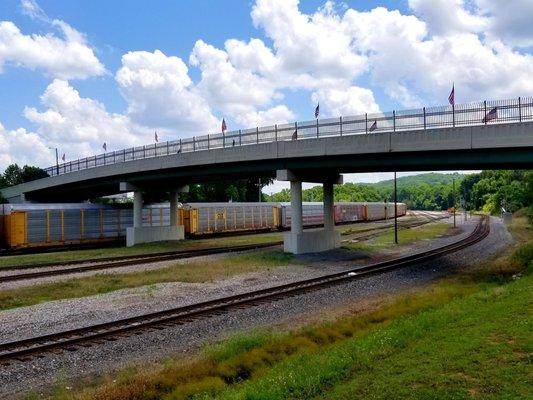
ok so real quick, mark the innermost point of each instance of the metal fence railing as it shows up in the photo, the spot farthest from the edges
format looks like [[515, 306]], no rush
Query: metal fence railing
[[478, 113]]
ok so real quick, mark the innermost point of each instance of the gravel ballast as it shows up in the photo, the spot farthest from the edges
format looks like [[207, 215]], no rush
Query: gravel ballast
[[18, 378]]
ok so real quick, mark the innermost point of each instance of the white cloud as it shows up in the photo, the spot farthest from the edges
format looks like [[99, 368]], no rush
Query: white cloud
[[33, 10], [66, 58], [509, 22], [160, 94], [448, 16], [351, 101], [276, 115], [23, 147], [313, 50], [226, 86], [79, 126]]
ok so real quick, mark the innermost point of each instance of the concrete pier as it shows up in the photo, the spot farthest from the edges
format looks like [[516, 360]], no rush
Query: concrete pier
[[298, 241], [147, 234]]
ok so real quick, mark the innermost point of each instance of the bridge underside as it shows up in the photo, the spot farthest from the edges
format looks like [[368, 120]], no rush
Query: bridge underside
[[154, 180]]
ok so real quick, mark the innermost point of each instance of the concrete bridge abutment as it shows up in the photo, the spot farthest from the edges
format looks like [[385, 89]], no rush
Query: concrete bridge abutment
[[298, 241], [147, 234]]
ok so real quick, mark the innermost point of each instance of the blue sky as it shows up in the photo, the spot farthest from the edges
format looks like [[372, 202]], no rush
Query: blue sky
[[76, 73], [114, 29]]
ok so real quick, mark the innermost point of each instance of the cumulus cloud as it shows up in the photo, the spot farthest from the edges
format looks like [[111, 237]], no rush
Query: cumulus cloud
[[448, 16], [160, 93], [23, 147], [66, 58], [511, 22], [351, 101], [276, 115], [79, 125]]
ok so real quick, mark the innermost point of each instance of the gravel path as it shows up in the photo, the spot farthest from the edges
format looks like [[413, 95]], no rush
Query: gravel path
[[150, 346]]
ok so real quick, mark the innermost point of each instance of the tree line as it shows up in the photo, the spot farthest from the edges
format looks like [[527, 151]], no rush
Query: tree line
[[485, 191]]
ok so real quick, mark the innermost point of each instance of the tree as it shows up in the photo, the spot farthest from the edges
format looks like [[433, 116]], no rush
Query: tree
[[14, 175]]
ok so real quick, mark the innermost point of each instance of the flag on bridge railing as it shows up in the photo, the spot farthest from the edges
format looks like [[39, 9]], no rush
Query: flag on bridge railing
[[63, 157], [104, 146], [374, 126], [317, 110], [223, 127], [451, 97], [492, 114], [295, 135], [156, 138]]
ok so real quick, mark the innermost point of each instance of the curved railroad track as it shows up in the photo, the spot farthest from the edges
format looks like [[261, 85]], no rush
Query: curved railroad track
[[24, 350]]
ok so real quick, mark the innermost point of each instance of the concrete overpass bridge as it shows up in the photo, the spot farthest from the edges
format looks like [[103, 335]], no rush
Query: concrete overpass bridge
[[482, 135]]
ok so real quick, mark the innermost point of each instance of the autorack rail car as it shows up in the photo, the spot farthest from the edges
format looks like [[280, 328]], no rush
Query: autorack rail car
[[48, 225]]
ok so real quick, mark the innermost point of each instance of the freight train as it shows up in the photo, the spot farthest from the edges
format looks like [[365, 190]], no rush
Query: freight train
[[47, 225]]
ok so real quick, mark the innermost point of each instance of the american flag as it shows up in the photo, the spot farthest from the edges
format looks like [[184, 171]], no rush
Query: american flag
[[295, 134], [156, 137], [104, 146], [451, 97], [492, 114], [317, 110], [64, 156], [374, 126], [224, 127]]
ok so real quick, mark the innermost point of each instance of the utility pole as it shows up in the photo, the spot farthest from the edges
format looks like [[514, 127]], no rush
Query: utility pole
[[395, 213], [453, 195]]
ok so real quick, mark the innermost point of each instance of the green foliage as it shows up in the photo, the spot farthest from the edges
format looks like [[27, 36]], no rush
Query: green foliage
[[485, 191], [235, 190], [489, 190], [15, 175], [430, 191]]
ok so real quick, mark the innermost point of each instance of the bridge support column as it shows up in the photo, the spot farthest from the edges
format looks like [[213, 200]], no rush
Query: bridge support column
[[329, 218], [137, 209], [296, 208], [138, 233], [174, 202], [298, 241]]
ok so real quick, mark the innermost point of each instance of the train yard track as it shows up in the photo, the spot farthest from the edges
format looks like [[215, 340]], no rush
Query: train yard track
[[99, 264], [370, 233], [26, 349], [123, 261]]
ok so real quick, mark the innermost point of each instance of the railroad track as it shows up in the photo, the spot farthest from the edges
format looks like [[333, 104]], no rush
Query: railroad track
[[99, 264], [123, 261], [26, 349], [373, 232]]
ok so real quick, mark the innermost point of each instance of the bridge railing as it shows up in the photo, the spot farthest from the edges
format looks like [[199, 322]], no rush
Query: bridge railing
[[470, 114]]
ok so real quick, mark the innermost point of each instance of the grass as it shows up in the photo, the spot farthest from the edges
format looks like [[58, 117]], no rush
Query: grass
[[468, 336], [206, 271], [406, 236], [72, 255]]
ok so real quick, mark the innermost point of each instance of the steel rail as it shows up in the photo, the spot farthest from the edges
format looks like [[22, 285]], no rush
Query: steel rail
[[23, 350], [125, 261], [130, 260]]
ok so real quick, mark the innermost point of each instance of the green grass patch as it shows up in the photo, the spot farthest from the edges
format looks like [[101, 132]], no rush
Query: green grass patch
[[206, 271], [406, 236], [189, 244]]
